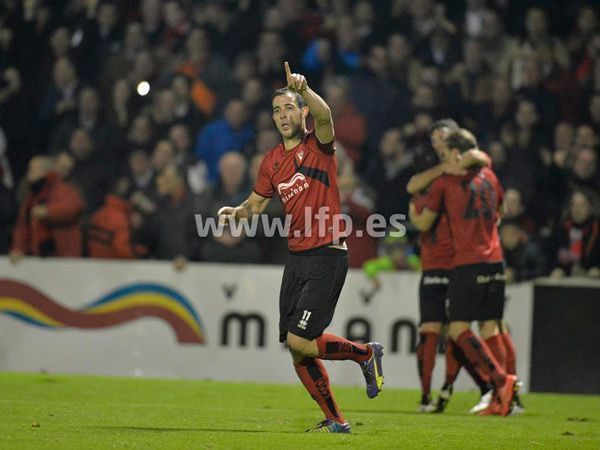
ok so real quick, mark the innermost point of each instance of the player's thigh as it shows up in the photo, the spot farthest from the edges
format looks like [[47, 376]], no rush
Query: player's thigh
[[324, 277], [289, 294], [433, 292], [495, 294], [465, 294]]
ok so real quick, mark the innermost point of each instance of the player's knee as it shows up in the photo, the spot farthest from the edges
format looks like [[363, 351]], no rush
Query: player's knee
[[430, 327], [457, 328], [301, 346], [488, 328]]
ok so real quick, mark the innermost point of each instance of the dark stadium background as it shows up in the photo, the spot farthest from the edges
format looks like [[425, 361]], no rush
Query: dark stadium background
[[118, 93]]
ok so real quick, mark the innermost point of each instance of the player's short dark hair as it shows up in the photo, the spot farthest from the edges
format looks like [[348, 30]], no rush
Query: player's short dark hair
[[461, 139], [450, 124], [284, 91], [424, 158]]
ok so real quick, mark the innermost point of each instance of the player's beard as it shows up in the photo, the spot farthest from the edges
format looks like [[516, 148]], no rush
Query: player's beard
[[296, 132]]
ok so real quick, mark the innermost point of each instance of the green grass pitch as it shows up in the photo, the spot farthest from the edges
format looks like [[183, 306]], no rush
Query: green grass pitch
[[40, 411]]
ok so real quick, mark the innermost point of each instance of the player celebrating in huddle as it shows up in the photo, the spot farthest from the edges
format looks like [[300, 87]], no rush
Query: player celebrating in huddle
[[476, 289], [437, 256], [302, 171]]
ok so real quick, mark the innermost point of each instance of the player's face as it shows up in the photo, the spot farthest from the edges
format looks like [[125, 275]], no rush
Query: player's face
[[438, 142], [287, 115]]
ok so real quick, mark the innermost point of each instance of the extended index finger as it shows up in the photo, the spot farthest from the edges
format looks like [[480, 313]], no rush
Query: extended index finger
[[288, 72]]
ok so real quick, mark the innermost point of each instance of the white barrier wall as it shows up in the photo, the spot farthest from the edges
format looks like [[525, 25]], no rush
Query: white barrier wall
[[209, 322]]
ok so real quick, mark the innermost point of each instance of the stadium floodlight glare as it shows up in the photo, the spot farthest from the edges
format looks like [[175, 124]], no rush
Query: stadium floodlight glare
[[143, 88]]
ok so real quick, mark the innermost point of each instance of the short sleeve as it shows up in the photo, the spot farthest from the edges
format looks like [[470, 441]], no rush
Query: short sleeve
[[328, 148], [263, 185], [435, 195]]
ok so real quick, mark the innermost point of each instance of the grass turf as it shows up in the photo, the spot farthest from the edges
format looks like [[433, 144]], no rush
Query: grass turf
[[69, 412]]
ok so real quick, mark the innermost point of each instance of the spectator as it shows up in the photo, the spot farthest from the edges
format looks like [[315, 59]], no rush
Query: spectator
[[232, 189], [89, 117], [578, 238], [377, 97], [120, 64], [195, 170], [163, 155], [184, 109], [90, 173], [140, 135], [350, 125], [172, 228], [48, 223], [404, 68], [524, 259], [124, 104], [514, 209], [497, 111], [231, 133], [109, 228], [355, 202], [100, 38], [140, 179], [585, 170], [391, 174], [60, 99]]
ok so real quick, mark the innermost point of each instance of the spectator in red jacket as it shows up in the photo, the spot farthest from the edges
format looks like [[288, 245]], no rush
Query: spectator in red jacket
[[359, 206], [49, 219], [350, 124], [109, 229]]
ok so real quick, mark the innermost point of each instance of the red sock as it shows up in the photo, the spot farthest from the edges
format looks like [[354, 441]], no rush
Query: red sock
[[496, 345], [481, 358], [426, 351], [314, 377], [455, 359], [453, 362], [511, 356], [335, 347]]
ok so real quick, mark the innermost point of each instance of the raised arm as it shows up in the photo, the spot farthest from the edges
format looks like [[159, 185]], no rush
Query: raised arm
[[421, 181], [254, 204], [317, 106], [475, 157]]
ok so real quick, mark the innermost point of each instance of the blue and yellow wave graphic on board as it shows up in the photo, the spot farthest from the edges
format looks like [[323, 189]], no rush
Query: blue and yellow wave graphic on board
[[124, 304]]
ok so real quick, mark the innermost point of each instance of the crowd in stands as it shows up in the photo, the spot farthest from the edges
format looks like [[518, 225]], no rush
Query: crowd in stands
[[121, 119]]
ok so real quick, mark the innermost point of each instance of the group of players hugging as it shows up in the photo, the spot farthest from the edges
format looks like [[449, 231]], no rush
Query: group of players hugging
[[456, 205]]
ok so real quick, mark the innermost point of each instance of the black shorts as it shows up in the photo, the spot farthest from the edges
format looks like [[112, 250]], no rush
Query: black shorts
[[433, 292], [476, 292], [310, 288]]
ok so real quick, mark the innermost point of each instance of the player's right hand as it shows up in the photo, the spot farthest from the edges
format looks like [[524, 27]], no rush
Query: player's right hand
[[226, 214], [295, 81]]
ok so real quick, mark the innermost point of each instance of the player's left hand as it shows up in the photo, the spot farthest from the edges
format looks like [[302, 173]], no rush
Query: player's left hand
[[295, 81]]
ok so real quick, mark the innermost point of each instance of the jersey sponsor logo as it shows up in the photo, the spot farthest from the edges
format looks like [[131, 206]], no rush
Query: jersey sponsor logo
[[304, 321], [290, 189]]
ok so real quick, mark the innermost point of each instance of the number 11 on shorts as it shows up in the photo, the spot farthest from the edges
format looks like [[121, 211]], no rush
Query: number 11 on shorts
[[304, 321]]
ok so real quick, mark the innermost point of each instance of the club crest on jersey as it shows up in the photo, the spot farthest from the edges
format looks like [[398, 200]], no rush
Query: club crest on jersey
[[300, 155], [290, 189]]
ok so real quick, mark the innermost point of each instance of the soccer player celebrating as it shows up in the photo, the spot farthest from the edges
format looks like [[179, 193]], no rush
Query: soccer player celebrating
[[476, 288], [437, 255], [302, 172]]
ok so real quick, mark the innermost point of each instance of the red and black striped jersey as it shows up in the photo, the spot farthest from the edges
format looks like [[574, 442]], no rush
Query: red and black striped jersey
[[471, 202], [305, 179]]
